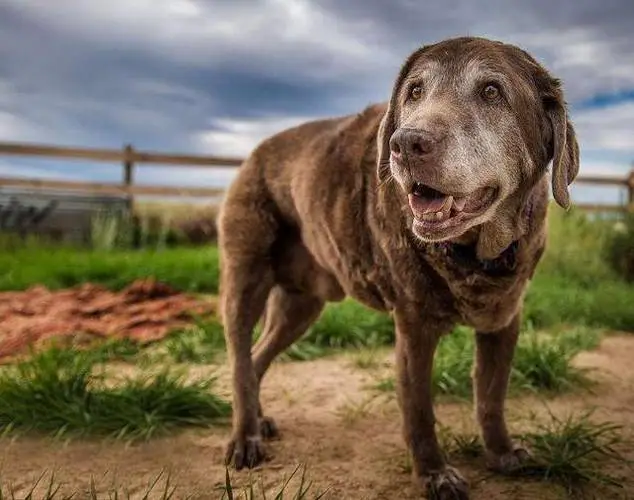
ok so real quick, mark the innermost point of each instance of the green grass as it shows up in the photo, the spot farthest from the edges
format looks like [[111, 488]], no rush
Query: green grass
[[200, 343], [341, 326], [542, 362], [63, 392], [256, 491], [574, 452], [188, 269], [162, 487], [344, 325], [574, 283]]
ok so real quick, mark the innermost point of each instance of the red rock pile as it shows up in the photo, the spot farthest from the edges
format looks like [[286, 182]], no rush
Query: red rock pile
[[145, 311]]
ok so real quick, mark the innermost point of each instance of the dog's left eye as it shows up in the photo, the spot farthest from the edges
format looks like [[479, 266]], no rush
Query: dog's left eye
[[416, 92], [491, 91]]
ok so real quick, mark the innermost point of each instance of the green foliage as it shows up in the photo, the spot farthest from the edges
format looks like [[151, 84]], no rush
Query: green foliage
[[620, 248], [542, 362], [58, 391], [573, 452], [257, 491], [350, 324], [575, 283], [189, 269]]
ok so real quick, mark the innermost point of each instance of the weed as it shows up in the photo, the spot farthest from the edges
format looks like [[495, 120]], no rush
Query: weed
[[58, 392], [253, 492], [350, 324], [575, 452], [542, 362], [52, 490], [200, 343]]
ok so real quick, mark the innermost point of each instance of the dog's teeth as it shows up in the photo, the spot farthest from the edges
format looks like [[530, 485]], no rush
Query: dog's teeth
[[459, 204]]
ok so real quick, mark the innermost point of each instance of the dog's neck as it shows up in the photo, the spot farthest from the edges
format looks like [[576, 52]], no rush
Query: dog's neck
[[506, 261]]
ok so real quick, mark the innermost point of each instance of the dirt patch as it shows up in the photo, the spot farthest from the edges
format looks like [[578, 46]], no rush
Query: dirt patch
[[145, 311], [349, 439]]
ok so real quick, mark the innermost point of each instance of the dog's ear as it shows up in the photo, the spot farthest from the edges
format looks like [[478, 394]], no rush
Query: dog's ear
[[565, 149], [388, 123]]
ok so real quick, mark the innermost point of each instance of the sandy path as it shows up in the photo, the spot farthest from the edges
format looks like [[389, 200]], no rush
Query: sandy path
[[351, 442]]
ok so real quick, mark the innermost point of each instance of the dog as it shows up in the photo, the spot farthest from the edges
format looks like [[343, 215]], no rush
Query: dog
[[431, 206]]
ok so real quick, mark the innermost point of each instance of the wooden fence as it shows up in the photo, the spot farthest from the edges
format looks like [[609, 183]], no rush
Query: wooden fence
[[129, 158]]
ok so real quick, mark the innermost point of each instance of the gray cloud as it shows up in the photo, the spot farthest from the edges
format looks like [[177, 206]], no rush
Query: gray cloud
[[217, 76]]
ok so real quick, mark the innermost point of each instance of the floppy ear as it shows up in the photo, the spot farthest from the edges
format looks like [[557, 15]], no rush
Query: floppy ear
[[386, 129], [565, 149], [388, 123]]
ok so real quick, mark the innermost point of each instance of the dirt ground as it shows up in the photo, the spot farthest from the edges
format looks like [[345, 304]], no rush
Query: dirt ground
[[329, 420], [144, 311]]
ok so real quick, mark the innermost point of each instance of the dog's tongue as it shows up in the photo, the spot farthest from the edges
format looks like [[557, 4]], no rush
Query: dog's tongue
[[423, 205]]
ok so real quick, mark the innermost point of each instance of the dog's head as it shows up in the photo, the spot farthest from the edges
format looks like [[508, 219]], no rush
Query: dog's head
[[471, 126]]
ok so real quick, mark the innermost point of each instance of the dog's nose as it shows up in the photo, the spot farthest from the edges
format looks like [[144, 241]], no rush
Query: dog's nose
[[415, 143]]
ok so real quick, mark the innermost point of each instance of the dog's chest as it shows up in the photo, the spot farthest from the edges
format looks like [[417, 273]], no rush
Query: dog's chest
[[486, 295]]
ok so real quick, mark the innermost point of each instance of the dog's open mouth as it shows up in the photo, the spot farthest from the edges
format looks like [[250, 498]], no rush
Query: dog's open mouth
[[434, 209]]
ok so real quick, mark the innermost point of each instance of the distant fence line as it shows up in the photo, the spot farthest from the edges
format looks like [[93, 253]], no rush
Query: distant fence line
[[129, 158]]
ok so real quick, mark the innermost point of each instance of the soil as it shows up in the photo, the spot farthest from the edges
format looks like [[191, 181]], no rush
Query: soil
[[145, 311], [347, 434], [348, 438]]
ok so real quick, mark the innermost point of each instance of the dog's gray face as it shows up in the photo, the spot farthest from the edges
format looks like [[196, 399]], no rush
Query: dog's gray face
[[471, 124]]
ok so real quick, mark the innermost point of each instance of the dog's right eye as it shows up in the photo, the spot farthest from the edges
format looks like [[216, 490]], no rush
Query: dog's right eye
[[416, 92]]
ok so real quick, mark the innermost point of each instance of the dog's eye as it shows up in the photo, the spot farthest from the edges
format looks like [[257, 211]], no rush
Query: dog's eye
[[416, 92], [491, 91]]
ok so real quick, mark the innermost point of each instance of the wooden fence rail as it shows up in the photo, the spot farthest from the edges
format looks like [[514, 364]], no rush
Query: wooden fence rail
[[129, 158]]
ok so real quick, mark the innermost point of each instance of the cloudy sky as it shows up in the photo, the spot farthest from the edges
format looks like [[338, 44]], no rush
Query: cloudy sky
[[216, 76]]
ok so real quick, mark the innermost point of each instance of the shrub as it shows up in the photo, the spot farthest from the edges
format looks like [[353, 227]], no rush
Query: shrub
[[620, 248]]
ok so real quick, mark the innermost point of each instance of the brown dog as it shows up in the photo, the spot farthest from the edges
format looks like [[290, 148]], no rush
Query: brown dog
[[432, 207]]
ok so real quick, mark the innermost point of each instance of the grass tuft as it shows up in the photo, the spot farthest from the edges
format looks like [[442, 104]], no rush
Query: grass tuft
[[200, 343], [52, 490], [542, 362], [575, 452], [58, 391], [256, 491], [350, 324]]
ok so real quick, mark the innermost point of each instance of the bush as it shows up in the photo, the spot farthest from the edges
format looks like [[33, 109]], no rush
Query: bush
[[199, 229], [620, 248]]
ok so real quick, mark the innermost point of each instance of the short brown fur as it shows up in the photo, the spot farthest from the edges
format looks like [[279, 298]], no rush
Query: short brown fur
[[320, 211]]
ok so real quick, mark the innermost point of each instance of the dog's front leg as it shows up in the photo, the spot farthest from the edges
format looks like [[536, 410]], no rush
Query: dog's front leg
[[494, 357], [416, 341]]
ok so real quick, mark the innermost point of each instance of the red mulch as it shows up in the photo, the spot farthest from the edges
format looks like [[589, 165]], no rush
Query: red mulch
[[145, 311]]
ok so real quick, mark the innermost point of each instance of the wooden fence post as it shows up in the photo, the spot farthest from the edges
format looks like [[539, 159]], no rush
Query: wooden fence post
[[630, 190], [128, 171]]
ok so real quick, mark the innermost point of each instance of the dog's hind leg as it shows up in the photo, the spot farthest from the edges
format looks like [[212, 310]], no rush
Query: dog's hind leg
[[288, 315]]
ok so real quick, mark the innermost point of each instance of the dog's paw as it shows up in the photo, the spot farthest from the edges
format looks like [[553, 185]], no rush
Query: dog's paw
[[447, 484], [244, 452], [510, 462], [268, 428]]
